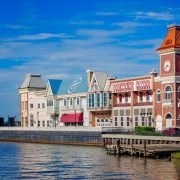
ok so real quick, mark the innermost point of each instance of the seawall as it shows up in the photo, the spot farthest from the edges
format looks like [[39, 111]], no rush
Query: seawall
[[60, 135]]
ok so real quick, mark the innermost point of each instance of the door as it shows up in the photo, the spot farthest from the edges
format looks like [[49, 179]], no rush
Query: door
[[159, 122]]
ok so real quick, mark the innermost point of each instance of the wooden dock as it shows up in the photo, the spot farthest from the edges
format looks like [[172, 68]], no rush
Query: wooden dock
[[146, 146]]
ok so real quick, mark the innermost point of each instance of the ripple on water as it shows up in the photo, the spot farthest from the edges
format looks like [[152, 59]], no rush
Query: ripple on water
[[43, 161]]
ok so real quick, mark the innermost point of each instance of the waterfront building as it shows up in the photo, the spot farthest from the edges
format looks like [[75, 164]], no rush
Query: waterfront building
[[51, 96], [73, 102], [99, 99], [152, 100], [33, 108]]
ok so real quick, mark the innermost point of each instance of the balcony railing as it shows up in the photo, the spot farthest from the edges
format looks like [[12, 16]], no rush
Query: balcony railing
[[77, 107], [167, 102], [52, 110], [122, 105]]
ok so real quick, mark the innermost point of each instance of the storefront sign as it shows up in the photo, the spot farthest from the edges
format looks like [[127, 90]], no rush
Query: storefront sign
[[131, 86]]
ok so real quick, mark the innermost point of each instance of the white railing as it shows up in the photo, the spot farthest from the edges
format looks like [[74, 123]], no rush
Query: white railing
[[167, 102], [52, 110], [77, 107]]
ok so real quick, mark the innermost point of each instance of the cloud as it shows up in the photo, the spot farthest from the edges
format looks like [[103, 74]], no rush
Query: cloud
[[42, 36], [11, 26], [153, 15], [86, 22], [107, 13], [130, 24]]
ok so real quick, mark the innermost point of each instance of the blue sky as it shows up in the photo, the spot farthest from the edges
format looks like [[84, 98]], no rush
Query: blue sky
[[60, 38]]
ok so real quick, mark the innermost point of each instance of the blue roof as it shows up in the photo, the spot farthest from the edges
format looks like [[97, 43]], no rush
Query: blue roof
[[74, 85], [55, 85]]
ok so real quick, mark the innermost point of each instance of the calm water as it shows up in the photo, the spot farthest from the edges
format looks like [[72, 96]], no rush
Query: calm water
[[43, 161]]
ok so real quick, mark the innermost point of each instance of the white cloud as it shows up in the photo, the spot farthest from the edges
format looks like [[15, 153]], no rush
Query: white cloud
[[153, 15], [86, 22], [130, 24], [42, 36], [12, 26], [107, 13]]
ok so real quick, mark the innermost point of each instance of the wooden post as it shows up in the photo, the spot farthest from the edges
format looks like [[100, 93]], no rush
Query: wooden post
[[118, 146], [132, 147], [144, 148]]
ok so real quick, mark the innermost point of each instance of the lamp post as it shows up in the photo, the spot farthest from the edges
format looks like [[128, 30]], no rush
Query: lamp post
[[75, 116]]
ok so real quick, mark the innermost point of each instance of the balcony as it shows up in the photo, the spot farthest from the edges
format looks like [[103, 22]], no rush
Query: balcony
[[52, 110], [67, 108], [122, 105], [167, 102], [143, 103]]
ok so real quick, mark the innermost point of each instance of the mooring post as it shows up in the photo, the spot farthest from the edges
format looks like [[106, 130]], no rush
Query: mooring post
[[144, 148], [132, 147], [118, 146]]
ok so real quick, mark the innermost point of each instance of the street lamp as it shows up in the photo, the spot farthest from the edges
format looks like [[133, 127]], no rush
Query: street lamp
[[75, 116]]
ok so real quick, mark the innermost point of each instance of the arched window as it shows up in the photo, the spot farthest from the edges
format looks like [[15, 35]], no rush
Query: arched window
[[158, 95], [98, 120], [168, 92], [168, 116], [102, 120], [106, 120]]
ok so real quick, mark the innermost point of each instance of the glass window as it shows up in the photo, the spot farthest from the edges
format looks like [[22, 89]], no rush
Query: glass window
[[38, 105], [31, 120], [105, 95], [136, 121], [48, 124], [65, 102], [91, 100], [147, 97], [122, 121], [179, 93], [126, 99], [158, 95], [31, 105], [71, 101], [120, 99], [115, 121], [98, 100], [43, 123], [78, 101], [43, 105], [39, 123], [143, 121], [168, 92], [149, 121], [141, 97], [128, 121], [49, 102]]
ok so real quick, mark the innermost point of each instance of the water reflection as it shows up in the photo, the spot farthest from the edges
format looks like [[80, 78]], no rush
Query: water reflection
[[41, 161]]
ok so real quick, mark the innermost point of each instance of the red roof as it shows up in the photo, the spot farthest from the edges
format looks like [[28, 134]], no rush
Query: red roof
[[172, 39], [68, 118]]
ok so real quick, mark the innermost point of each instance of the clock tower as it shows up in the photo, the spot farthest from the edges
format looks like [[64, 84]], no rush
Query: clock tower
[[170, 77]]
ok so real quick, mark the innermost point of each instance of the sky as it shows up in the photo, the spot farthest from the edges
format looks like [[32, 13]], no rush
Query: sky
[[62, 38]]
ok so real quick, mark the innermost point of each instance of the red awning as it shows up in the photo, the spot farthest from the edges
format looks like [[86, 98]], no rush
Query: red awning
[[68, 118]]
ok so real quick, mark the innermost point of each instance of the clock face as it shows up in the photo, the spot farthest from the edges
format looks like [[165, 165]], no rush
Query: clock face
[[167, 66]]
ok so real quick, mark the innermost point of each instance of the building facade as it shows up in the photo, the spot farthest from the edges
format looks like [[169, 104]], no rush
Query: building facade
[[152, 100], [99, 99], [33, 106], [73, 102]]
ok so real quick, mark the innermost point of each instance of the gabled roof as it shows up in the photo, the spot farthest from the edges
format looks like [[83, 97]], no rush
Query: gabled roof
[[54, 85], [172, 39], [101, 79], [74, 85], [33, 81]]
